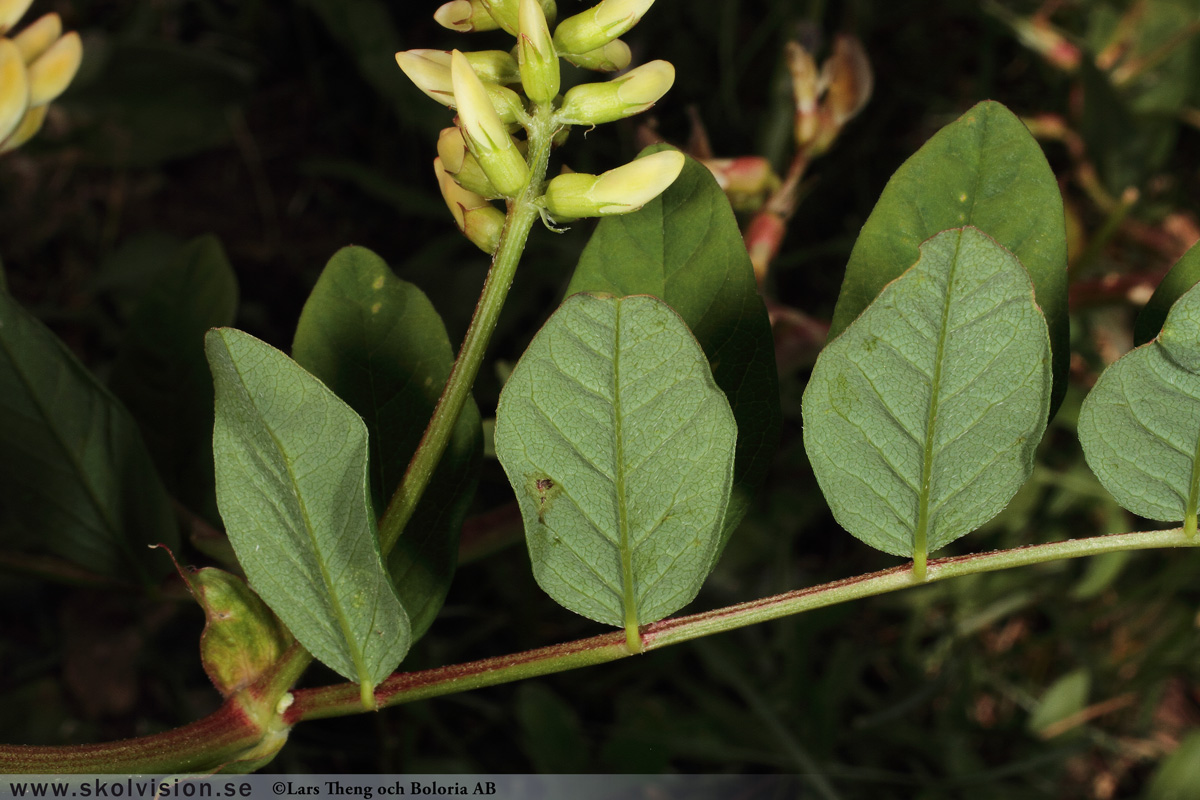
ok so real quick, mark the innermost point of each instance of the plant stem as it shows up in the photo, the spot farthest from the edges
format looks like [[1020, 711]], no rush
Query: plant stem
[[522, 212], [341, 700]]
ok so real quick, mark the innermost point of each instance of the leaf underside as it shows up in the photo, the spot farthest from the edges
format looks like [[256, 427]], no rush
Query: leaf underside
[[984, 170], [685, 248], [620, 448], [922, 418], [378, 343], [1140, 424], [291, 469]]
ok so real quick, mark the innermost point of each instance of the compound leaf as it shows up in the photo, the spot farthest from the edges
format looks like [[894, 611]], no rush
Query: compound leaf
[[620, 447], [685, 248], [1140, 424], [75, 478], [922, 418], [983, 170], [291, 468], [378, 343]]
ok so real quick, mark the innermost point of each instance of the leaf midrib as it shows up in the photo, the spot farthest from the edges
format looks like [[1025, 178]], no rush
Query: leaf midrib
[[921, 534], [356, 655], [628, 599]]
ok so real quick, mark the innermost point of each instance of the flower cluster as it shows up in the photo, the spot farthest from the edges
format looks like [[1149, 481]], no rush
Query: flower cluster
[[36, 66], [500, 94]]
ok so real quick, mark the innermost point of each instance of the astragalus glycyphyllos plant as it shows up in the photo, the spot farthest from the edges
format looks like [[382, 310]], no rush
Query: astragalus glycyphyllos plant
[[635, 429]]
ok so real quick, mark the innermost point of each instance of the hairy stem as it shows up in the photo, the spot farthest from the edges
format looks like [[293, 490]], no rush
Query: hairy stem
[[522, 213], [332, 701]]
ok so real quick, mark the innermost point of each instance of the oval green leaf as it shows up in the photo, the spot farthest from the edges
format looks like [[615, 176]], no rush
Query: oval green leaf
[[1140, 424], [983, 170], [291, 468], [378, 343], [1183, 276], [685, 248], [922, 418], [620, 447], [75, 478]]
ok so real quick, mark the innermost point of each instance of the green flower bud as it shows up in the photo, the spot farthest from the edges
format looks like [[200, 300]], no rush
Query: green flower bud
[[535, 51], [37, 37], [612, 57], [430, 71], [598, 25], [475, 216], [486, 135], [631, 93], [464, 167], [618, 191], [54, 69], [14, 88], [507, 13], [465, 16]]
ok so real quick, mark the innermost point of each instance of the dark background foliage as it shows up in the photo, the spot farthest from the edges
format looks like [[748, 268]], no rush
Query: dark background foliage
[[284, 128]]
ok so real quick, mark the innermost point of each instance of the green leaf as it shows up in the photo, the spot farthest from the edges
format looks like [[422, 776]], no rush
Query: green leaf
[[1183, 276], [922, 418], [291, 464], [1066, 697], [1179, 773], [685, 248], [620, 448], [378, 343], [242, 639], [1140, 424], [75, 478], [162, 376], [984, 170]]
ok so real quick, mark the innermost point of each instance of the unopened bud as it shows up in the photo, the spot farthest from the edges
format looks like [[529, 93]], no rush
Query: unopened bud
[[612, 57], [806, 88], [37, 37], [618, 191], [11, 12], [485, 134], [631, 93], [430, 71], [508, 15], [848, 75], [746, 180], [53, 71], [764, 236], [14, 88], [458, 162], [465, 16], [599, 25], [535, 52], [475, 216], [28, 127]]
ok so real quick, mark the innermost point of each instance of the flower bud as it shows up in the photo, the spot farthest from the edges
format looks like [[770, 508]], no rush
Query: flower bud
[[535, 51], [28, 127], [764, 236], [508, 15], [11, 12], [599, 25], [806, 87], [14, 88], [486, 135], [746, 180], [458, 162], [465, 16], [631, 93], [430, 71], [37, 37], [475, 216], [618, 191], [612, 57], [52, 72], [848, 75]]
